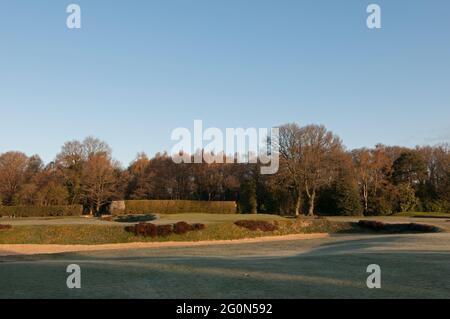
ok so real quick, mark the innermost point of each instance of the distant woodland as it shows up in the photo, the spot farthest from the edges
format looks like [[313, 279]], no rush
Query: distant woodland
[[317, 175]]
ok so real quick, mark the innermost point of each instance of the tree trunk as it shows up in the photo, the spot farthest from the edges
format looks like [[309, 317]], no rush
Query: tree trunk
[[298, 204], [366, 200], [312, 199]]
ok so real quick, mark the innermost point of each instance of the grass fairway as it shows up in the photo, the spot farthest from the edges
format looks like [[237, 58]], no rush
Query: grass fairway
[[413, 266]]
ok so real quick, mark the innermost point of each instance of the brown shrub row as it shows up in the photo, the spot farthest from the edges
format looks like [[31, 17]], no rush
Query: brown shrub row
[[175, 207], [152, 230], [5, 227], [257, 225], [40, 211]]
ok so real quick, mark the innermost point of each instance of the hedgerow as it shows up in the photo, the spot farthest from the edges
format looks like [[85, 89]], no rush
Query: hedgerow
[[40, 211], [176, 207]]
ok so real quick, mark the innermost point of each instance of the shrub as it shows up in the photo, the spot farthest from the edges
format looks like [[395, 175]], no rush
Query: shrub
[[181, 228], [437, 206], [143, 229], [130, 229], [165, 230], [5, 227], [256, 225], [40, 211], [176, 207], [385, 201], [198, 226], [148, 230], [151, 230], [407, 200]]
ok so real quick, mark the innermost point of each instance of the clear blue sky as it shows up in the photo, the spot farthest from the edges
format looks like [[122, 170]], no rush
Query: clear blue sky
[[138, 69]]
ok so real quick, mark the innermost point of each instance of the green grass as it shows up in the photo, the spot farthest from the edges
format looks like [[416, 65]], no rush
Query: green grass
[[306, 269], [219, 227], [64, 234], [218, 218], [107, 234]]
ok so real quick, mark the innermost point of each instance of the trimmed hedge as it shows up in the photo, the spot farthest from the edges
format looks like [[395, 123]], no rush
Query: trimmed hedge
[[176, 207], [44, 211]]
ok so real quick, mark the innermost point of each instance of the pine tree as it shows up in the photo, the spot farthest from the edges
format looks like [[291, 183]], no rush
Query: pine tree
[[345, 196], [247, 199]]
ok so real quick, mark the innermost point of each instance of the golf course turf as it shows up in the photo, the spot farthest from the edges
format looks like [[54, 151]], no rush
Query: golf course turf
[[413, 265]]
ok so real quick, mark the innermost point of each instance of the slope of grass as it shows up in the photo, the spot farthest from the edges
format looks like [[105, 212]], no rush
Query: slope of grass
[[108, 234], [218, 218]]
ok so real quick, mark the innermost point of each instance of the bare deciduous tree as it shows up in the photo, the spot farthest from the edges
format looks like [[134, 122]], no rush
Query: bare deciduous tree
[[320, 149], [13, 166], [98, 181], [290, 149], [308, 154]]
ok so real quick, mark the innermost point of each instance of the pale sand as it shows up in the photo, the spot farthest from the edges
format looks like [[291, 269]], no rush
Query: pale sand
[[33, 249]]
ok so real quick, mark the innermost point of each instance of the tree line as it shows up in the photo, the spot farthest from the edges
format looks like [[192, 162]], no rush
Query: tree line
[[317, 175]]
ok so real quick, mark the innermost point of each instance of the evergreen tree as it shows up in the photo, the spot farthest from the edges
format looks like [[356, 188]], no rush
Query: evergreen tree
[[341, 197], [247, 200], [346, 196]]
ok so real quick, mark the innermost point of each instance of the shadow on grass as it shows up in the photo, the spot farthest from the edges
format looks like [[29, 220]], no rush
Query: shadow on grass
[[376, 227], [136, 218], [298, 276]]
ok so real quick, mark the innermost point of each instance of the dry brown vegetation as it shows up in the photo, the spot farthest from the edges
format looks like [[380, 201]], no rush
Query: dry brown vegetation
[[3, 227], [317, 176], [254, 225], [151, 230]]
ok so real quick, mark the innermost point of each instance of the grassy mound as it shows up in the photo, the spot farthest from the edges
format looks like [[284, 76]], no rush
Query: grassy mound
[[255, 225], [193, 231], [106, 234]]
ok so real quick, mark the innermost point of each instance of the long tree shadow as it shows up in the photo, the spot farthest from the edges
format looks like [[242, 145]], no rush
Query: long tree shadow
[[136, 218], [420, 275], [328, 270]]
